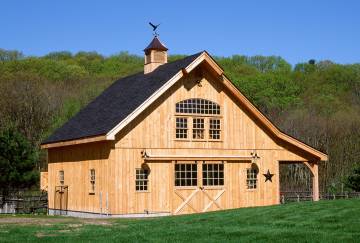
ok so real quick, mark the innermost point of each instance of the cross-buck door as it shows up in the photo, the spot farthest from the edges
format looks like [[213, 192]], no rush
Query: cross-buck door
[[199, 187]]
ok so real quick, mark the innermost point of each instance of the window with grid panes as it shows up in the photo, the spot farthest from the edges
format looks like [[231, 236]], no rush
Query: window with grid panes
[[198, 128], [214, 129], [213, 174], [197, 106], [251, 178], [141, 181], [181, 127], [185, 174], [92, 180], [203, 107]]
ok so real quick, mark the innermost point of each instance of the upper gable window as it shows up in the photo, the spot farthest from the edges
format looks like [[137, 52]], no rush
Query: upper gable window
[[201, 117], [198, 106]]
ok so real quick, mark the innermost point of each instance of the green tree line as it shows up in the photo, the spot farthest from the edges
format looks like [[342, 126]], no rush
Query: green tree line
[[316, 101]]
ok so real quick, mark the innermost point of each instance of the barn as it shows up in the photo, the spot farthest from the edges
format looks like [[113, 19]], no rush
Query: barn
[[177, 138]]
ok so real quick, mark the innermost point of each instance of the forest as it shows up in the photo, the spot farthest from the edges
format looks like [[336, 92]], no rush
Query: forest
[[317, 101]]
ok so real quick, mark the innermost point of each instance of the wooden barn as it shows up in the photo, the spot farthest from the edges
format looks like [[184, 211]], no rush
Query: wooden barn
[[177, 138]]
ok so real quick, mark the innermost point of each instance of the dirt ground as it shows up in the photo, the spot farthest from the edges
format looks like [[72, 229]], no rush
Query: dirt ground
[[51, 220]]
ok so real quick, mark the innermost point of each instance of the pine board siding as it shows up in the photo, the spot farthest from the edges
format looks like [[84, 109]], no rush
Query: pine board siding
[[115, 162], [147, 142]]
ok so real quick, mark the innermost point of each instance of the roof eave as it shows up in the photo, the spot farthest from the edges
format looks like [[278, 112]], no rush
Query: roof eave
[[73, 142]]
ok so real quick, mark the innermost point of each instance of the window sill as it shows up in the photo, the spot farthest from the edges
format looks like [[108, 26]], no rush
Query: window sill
[[198, 115], [213, 187], [186, 187], [251, 190], [198, 140], [142, 191]]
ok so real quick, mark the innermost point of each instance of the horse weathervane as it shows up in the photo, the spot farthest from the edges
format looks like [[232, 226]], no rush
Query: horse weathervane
[[154, 26]]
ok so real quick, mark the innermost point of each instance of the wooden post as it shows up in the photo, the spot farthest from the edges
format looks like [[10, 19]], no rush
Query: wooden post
[[315, 181]]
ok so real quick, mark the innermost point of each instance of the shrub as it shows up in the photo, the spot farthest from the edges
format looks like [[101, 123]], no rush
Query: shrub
[[353, 180]]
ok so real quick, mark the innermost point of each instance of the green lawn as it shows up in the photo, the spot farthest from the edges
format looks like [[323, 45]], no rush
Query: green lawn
[[325, 221]]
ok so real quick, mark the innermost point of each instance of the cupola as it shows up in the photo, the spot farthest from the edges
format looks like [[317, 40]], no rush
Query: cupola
[[155, 55]]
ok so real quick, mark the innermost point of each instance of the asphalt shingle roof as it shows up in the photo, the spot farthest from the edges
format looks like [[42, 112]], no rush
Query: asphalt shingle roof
[[117, 102]]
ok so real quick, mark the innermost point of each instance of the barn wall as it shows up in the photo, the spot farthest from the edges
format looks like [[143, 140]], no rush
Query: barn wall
[[154, 130], [76, 162]]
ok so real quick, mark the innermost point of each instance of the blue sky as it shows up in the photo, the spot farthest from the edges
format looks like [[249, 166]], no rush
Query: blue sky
[[296, 30]]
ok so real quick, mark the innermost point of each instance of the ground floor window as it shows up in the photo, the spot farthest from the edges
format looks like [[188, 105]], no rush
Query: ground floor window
[[185, 174], [213, 174], [141, 181], [92, 180], [61, 177], [251, 178]]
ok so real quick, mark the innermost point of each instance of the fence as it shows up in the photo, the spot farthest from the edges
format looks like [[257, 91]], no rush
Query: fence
[[24, 202], [299, 196], [36, 201]]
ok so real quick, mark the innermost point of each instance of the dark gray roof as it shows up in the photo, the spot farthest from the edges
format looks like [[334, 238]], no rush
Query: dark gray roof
[[117, 102]]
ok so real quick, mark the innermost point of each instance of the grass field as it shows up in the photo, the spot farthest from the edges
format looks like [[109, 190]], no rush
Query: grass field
[[324, 221]]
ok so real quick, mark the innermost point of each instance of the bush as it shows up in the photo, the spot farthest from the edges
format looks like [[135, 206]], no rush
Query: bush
[[353, 180], [17, 162]]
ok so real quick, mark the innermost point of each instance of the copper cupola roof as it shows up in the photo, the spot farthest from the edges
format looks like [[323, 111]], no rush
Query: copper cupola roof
[[155, 44]]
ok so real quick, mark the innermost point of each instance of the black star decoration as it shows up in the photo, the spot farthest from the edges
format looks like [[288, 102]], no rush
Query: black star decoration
[[268, 176]]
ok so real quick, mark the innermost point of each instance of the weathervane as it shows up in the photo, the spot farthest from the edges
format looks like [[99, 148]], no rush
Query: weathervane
[[154, 26]]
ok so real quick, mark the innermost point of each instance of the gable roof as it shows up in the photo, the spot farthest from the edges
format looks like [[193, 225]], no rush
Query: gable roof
[[117, 102]]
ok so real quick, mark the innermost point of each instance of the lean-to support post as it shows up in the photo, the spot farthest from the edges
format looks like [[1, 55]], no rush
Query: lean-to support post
[[314, 168]]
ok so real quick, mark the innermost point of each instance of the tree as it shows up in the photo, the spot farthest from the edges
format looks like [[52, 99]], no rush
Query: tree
[[17, 162], [6, 55], [353, 180], [59, 55]]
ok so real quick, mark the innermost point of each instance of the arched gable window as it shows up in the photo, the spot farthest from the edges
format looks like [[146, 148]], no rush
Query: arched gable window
[[198, 106], [199, 115]]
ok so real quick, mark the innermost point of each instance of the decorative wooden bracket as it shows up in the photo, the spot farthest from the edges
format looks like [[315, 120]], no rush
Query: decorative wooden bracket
[[254, 156], [311, 167], [184, 72], [144, 155]]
